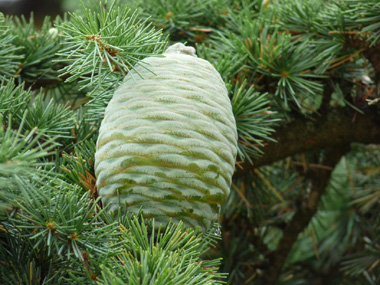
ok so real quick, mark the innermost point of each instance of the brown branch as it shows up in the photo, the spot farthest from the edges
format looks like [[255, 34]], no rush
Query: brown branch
[[318, 179], [339, 126]]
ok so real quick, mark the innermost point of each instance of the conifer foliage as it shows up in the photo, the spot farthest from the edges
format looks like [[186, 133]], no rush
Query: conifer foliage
[[303, 77]]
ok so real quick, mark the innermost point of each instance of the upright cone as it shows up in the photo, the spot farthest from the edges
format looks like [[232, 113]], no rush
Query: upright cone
[[168, 141]]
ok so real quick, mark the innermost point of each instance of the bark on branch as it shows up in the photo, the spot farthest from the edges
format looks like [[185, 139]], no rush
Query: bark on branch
[[340, 126]]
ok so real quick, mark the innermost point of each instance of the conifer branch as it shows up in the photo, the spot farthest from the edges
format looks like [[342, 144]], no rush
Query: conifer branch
[[337, 127], [304, 81]]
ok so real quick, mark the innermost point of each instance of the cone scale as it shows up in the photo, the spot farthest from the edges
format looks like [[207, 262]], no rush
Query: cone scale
[[168, 141]]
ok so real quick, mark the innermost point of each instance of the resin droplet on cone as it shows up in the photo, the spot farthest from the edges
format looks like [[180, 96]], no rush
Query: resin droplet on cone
[[168, 141]]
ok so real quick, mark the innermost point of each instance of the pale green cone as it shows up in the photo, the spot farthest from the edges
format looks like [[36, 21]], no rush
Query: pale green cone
[[168, 141]]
